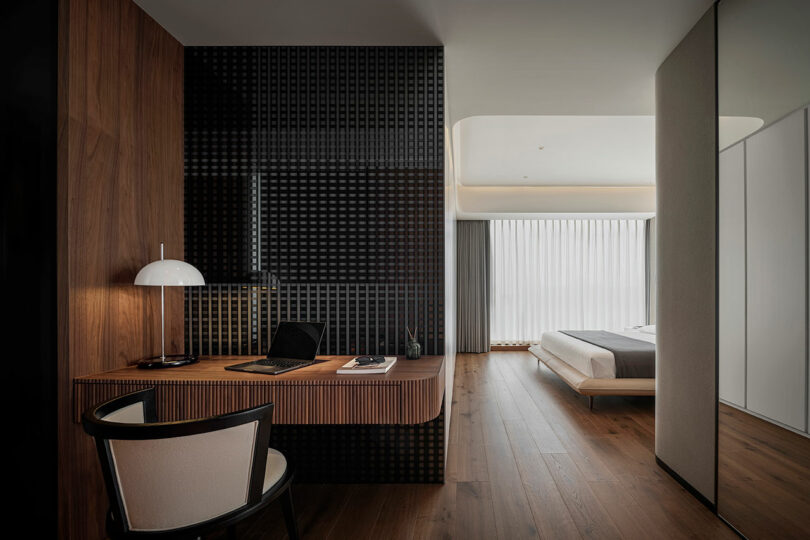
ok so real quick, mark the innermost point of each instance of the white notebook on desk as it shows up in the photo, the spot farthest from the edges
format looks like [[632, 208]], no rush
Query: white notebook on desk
[[353, 368]]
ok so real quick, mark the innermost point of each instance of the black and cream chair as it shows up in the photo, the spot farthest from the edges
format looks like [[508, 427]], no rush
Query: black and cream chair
[[185, 479]]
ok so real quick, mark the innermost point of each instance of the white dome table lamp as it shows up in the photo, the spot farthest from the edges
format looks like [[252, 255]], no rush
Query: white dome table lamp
[[168, 273]]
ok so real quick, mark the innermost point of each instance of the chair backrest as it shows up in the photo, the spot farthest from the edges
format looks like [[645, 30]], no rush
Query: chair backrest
[[173, 475]]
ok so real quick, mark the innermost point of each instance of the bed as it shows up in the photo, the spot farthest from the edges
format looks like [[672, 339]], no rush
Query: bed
[[591, 370]]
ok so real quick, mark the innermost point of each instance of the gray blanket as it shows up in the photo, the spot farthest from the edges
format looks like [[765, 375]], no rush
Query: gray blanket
[[635, 359]]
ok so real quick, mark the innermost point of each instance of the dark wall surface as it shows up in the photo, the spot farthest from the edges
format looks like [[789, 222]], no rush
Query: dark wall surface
[[28, 246], [314, 190]]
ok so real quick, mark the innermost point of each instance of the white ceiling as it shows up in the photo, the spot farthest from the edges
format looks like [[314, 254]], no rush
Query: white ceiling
[[577, 150], [503, 57]]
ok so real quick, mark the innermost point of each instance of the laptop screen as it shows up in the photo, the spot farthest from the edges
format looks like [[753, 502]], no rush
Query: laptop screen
[[298, 340]]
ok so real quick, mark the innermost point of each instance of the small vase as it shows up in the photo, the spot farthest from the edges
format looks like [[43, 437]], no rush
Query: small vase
[[414, 350]]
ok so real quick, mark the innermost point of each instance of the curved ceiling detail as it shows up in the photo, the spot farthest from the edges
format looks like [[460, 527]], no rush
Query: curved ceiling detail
[[555, 151], [733, 129]]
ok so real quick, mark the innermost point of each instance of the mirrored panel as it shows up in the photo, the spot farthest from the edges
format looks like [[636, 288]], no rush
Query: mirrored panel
[[763, 487]]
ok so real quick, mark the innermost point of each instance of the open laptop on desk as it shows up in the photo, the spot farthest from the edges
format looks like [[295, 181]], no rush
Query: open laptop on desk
[[294, 346]]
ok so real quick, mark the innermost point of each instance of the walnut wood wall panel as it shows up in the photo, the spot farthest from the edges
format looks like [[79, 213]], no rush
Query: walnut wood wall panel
[[321, 168], [120, 193]]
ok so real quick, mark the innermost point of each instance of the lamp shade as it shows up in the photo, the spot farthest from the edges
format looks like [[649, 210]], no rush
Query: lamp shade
[[169, 272]]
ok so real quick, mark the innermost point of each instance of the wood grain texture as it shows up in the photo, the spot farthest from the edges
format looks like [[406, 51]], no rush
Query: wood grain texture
[[119, 194], [763, 471], [411, 393], [538, 465]]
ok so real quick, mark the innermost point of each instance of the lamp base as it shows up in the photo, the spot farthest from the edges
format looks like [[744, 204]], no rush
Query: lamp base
[[171, 360]]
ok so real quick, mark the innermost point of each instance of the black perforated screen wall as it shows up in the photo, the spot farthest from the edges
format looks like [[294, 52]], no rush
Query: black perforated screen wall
[[314, 189]]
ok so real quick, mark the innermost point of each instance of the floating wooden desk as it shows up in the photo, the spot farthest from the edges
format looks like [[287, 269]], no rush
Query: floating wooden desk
[[411, 393], [339, 428]]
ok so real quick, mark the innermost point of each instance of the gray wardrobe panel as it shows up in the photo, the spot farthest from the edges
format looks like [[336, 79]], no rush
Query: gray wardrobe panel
[[731, 277], [776, 257]]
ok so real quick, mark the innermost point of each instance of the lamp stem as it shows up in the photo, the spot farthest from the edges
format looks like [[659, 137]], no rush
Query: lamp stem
[[162, 317]]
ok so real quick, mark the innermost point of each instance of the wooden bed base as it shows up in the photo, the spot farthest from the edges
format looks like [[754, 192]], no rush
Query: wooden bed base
[[589, 386]]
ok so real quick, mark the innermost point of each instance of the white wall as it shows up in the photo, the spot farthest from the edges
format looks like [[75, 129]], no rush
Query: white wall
[[731, 275], [776, 264], [763, 366]]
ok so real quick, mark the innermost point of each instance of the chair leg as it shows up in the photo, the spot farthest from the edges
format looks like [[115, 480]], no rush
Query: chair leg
[[289, 514], [590, 402]]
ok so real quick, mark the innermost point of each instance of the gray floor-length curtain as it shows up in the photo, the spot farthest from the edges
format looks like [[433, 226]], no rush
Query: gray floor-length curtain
[[472, 262], [652, 274]]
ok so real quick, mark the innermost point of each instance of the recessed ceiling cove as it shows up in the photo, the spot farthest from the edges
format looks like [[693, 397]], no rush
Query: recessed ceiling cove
[[555, 150]]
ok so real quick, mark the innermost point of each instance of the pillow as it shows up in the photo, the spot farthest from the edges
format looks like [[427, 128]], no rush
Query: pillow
[[649, 329]]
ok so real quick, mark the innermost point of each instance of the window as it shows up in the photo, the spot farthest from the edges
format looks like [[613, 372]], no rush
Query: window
[[565, 274]]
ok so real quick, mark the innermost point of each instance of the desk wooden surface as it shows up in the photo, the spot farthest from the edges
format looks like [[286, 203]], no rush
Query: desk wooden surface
[[411, 393]]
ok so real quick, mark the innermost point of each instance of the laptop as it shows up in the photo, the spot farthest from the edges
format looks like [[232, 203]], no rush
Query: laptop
[[294, 346]]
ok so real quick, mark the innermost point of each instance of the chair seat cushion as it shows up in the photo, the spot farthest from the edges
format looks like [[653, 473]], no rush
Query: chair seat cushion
[[275, 469]]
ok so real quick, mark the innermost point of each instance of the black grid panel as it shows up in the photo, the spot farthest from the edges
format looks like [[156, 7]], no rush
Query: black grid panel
[[361, 318], [364, 453], [314, 189]]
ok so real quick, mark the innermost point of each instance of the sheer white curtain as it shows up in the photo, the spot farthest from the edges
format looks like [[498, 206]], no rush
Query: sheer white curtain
[[565, 274]]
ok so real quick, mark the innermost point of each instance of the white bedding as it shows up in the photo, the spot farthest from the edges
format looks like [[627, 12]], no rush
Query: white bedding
[[591, 360]]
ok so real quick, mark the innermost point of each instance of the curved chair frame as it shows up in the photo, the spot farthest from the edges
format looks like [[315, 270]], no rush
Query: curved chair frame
[[103, 432]]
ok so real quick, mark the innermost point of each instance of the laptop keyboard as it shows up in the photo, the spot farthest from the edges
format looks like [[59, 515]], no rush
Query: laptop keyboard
[[282, 362], [272, 366]]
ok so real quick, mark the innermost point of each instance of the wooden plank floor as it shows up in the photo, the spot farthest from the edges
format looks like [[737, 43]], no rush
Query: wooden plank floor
[[764, 474], [526, 459]]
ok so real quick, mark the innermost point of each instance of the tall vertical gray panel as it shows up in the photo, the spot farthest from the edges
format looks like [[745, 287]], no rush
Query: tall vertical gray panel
[[776, 262], [731, 275], [473, 281], [652, 274], [686, 161]]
